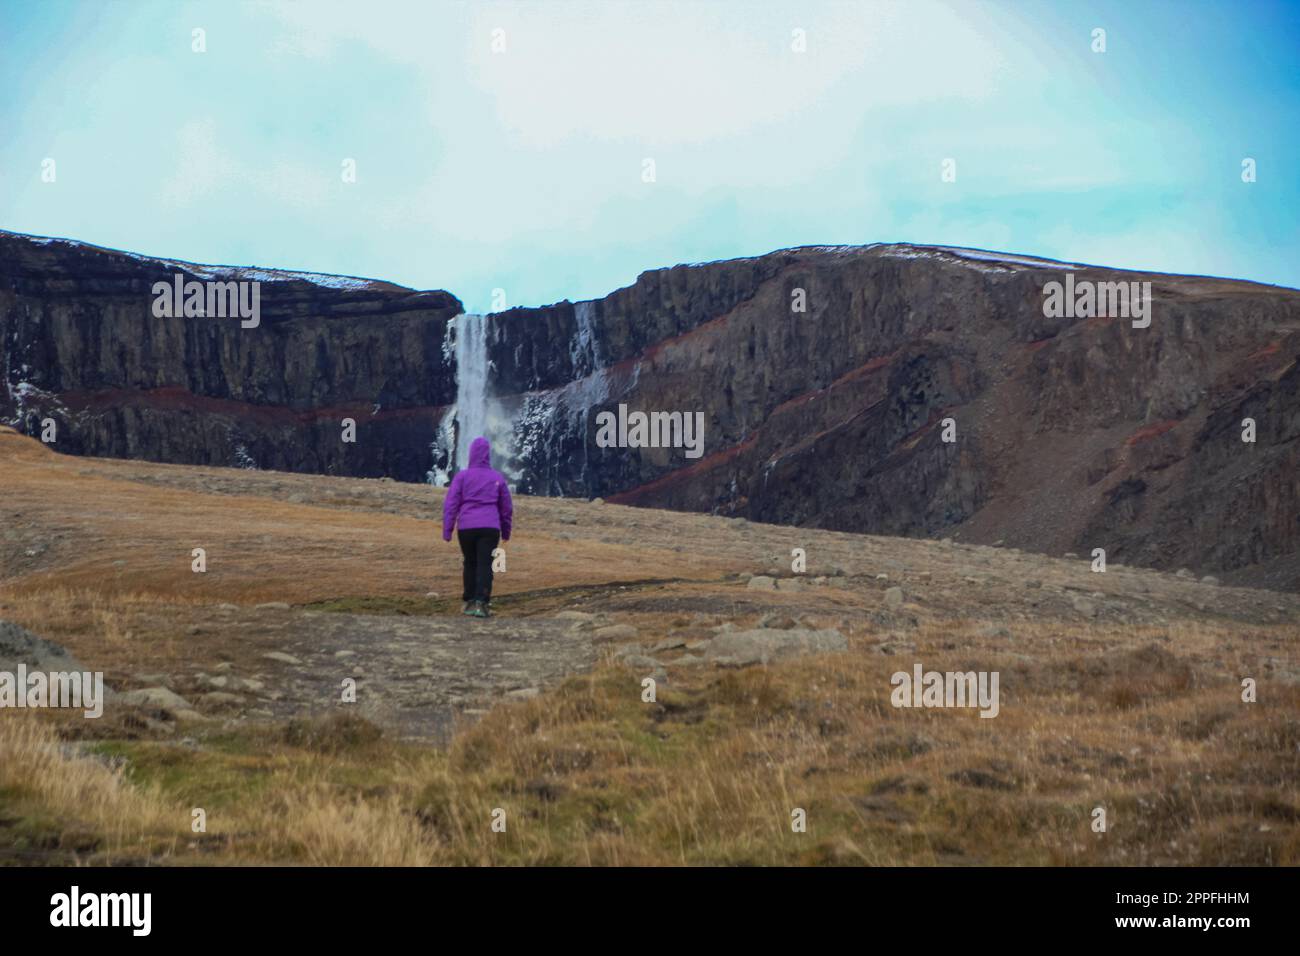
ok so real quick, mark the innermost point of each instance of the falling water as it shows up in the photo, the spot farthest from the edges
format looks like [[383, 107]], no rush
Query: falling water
[[525, 430], [471, 383], [589, 391], [589, 386]]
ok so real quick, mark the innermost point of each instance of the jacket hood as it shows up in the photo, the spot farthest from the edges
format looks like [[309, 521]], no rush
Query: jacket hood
[[480, 453]]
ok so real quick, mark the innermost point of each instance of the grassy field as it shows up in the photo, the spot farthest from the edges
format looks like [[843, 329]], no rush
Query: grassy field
[[1119, 691]]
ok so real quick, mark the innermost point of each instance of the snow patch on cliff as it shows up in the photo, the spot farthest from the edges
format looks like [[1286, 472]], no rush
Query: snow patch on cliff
[[222, 273]]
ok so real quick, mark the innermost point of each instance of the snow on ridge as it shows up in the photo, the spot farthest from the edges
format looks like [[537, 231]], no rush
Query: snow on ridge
[[984, 260], [256, 274], [1007, 257], [223, 273]]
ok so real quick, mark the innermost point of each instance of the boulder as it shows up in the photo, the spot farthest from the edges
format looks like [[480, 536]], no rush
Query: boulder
[[156, 698], [282, 657], [762, 646], [615, 632], [20, 646]]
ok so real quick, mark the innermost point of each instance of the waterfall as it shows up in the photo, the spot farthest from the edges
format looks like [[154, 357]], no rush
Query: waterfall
[[464, 346], [530, 432], [471, 383], [590, 386], [589, 390], [584, 350]]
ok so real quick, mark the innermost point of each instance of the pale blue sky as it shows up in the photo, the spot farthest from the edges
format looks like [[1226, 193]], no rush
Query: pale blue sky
[[523, 169]]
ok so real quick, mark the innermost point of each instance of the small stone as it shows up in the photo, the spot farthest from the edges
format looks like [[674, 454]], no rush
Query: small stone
[[669, 644], [575, 616], [615, 632], [159, 698], [1085, 607], [739, 648], [271, 606], [893, 598], [761, 582], [282, 657], [221, 698]]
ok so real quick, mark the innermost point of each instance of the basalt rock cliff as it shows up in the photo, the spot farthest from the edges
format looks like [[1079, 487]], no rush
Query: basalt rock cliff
[[828, 378]]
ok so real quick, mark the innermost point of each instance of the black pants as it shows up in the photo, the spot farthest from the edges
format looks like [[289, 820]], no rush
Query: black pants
[[477, 545]]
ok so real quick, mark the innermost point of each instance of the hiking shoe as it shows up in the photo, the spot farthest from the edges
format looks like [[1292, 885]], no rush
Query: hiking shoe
[[480, 610], [486, 608], [469, 608]]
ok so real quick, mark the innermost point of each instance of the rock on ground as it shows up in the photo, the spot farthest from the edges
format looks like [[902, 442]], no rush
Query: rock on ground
[[764, 646], [159, 698], [20, 646]]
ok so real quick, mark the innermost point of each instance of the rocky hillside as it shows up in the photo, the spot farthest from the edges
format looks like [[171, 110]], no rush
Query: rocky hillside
[[82, 346], [1070, 433]]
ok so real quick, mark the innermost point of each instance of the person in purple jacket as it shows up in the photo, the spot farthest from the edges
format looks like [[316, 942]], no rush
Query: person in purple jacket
[[478, 505]]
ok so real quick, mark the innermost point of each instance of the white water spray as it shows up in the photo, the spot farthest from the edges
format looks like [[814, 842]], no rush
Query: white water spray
[[471, 383], [518, 426], [584, 350]]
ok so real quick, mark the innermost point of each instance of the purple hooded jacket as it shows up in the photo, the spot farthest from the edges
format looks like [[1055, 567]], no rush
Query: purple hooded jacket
[[478, 496]]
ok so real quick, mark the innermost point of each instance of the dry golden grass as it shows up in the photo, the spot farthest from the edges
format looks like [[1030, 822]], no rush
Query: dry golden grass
[[589, 775], [1144, 721], [75, 805]]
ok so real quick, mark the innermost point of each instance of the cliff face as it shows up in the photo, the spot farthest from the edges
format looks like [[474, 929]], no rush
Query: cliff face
[[1070, 433], [82, 346]]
